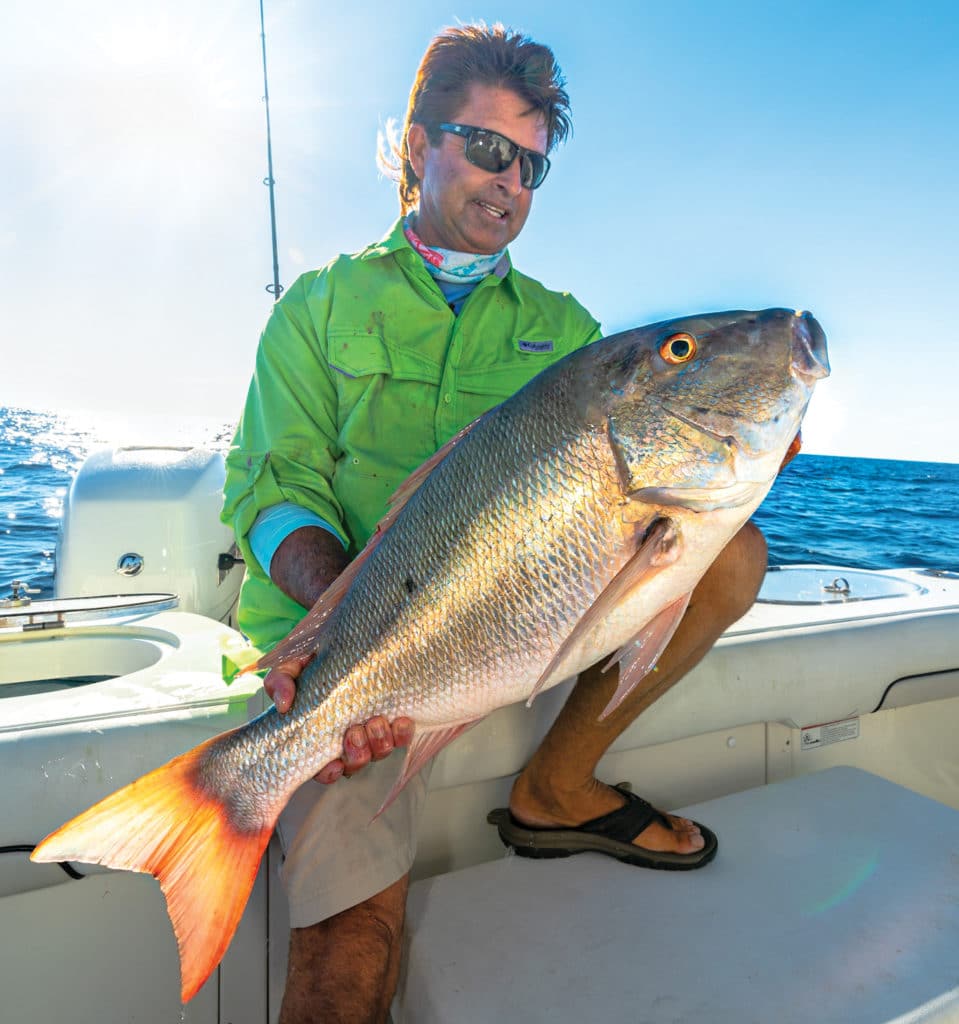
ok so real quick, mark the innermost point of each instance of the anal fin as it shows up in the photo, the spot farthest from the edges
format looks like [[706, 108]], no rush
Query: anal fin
[[426, 743]]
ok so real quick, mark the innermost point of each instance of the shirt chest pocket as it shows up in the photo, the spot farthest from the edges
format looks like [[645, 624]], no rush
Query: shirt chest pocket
[[499, 381], [483, 387], [386, 396]]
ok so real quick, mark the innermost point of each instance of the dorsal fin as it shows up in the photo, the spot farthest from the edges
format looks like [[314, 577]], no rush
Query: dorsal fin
[[305, 637]]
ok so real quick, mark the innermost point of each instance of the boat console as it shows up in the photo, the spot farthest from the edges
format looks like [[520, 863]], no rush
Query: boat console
[[148, 519]]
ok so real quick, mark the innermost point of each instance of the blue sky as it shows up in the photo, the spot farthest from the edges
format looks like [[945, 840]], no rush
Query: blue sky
[[725, 155]]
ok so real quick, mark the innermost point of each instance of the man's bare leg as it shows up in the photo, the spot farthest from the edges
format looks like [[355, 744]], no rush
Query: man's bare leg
[[344, 970], [558, 786]]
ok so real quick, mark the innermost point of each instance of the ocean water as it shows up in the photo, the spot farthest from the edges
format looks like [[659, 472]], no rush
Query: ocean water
[[858, 513]]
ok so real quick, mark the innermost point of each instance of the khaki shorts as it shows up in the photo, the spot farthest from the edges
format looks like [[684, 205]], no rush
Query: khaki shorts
[[335, 854]]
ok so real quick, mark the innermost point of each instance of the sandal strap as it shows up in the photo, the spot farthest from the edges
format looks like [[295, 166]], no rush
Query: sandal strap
[[626, 822]]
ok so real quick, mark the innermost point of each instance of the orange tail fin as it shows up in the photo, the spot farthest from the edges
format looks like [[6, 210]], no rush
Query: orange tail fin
[[168, 825]]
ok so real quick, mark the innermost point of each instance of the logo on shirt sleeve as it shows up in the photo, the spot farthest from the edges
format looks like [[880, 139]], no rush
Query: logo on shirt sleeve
[[535, 346]]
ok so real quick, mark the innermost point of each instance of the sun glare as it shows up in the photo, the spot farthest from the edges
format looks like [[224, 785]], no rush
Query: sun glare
[[823, 426], [156, 112]]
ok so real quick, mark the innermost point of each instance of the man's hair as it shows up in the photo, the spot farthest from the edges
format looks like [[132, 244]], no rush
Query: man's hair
[[456, 59]]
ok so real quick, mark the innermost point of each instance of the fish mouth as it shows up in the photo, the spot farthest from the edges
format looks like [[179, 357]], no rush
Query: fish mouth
[[747, 459], [701, 499], [729, 440], [810, 361], [751, 441]]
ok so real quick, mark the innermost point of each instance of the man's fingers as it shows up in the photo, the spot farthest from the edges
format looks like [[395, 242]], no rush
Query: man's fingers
[[330, 772], [384, 738], [280, 682], [402, 731], [380, 737], [364, 743], [356, 750], [792, 451], [281, 688]]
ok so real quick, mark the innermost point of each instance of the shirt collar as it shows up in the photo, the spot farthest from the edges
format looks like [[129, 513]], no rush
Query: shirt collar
[[391, 242]]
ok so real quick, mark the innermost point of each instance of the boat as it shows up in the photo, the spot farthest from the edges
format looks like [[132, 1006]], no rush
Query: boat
[[817, 737]]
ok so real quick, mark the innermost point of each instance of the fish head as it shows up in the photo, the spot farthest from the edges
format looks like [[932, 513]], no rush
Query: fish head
[[702, 410]]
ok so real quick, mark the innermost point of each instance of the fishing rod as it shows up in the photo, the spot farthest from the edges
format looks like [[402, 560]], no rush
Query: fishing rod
[[275, 289]]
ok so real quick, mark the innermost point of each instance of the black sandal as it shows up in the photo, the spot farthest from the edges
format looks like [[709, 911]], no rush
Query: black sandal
[[612, 834]]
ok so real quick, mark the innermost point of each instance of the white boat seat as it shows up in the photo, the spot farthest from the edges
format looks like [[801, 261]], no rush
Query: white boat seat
[[834, 897]]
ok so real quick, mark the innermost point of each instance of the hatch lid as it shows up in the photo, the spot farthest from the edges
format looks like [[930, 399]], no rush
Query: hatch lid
[[823, 584], [24, 615]]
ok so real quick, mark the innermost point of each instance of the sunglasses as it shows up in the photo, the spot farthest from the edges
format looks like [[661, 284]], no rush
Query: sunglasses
[[493, 152]]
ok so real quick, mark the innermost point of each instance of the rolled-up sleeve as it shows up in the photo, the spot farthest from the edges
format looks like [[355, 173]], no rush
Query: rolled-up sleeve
[[285, 447]]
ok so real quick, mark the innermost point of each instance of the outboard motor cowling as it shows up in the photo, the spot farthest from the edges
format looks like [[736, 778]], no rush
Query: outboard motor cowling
[[140, 519]]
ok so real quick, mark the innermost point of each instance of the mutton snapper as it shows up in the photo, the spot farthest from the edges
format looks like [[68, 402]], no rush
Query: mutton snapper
[[569, 523]]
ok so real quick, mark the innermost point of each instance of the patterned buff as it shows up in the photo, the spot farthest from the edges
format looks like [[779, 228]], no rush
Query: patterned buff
[[450, 266]]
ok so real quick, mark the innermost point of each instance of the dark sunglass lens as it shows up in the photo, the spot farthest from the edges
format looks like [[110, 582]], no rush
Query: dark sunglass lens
[[533, 167], [494, 153], [527, 173], [490, 151]]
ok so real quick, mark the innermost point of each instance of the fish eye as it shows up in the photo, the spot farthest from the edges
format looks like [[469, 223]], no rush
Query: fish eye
[[678, 348]]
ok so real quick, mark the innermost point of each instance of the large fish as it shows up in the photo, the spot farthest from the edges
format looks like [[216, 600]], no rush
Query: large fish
[[569, 523]]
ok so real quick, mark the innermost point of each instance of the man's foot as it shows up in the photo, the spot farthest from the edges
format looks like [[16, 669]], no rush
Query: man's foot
[[571, 809], [602, 819]]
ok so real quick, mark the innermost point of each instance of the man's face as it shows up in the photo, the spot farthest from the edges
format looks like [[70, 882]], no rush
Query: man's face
[[463, 207]]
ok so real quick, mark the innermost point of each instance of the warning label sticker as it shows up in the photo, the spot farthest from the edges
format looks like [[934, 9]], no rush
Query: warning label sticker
[[815, 736]]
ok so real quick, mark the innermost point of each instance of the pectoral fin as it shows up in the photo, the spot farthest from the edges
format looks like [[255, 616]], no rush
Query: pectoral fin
[[638, 657], [658, 549]]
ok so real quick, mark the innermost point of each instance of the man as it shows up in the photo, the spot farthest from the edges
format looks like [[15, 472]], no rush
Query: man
[[365, 369]]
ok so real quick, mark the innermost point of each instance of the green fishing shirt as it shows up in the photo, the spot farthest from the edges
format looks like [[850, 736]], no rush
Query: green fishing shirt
[[362, 373]]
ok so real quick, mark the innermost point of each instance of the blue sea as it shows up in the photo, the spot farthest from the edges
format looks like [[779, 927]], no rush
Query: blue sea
[[859, 513]]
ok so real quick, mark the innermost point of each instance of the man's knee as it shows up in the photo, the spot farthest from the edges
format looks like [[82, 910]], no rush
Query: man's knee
[[753, 553], [386, 911], [376, 922]]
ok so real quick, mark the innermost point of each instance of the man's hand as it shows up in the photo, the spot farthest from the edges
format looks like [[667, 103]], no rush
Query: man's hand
[[792, 451], [364, 743], [372, 741]]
